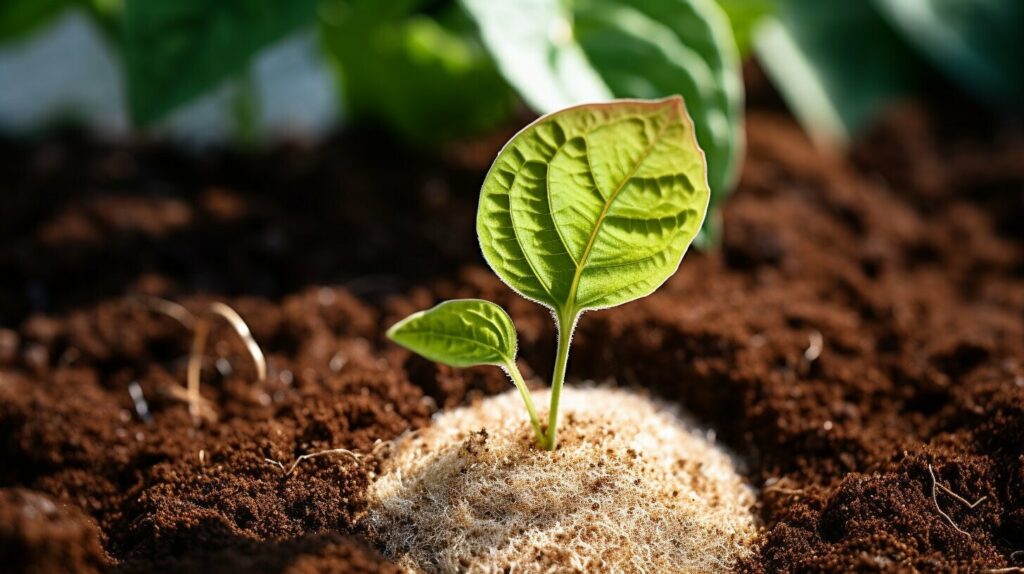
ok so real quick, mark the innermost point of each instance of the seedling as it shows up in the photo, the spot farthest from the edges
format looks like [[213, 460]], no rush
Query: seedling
[[586, 208]]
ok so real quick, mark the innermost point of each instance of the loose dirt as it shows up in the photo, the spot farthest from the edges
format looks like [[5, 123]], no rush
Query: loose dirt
[[862, 323]]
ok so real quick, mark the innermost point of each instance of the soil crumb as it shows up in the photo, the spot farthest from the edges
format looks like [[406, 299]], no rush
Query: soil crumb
[[41, 535], [632, 487]]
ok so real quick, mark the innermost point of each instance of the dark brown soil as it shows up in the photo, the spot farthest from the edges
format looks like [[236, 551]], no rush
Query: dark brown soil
[[904, 259]]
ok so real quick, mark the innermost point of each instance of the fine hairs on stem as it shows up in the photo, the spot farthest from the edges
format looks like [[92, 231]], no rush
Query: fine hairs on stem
[[558, 377]]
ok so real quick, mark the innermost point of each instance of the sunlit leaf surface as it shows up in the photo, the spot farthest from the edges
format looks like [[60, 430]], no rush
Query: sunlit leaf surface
[[595, 205], [460, 333]]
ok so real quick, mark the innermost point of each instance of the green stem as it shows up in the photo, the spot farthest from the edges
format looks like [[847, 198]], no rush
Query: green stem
[[517, 379], [566, 324]]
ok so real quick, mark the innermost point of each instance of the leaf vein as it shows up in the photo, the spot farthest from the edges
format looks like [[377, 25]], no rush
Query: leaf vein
[[604, 212]]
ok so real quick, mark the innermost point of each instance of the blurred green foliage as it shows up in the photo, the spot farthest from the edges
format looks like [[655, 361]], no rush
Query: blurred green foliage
[[438, 69], [427, 76], [979, 43], [835, 81], [838, 63], [19, 18], [175, 50], [743, 16]]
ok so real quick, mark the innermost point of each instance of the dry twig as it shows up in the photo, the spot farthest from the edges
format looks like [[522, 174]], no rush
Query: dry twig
[[198, 407], [297, 461], [816, 343], [777, 485], [195, 368], [935, 499], [236, 322], [173, 310]]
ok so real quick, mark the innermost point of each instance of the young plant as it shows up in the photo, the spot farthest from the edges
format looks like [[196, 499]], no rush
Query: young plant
[[586, 208]]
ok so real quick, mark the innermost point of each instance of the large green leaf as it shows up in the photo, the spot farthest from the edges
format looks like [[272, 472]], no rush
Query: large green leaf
[[743, 18], [979, 43], [595, 205], [178, 49], [426, 76], [533, 43], [460, 333], [835, 63], [598, 49], [19, 18]]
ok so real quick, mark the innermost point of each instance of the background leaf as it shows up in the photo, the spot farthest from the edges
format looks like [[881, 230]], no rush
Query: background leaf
[[426, 76], [978, 43], [599, 49], [177, 49], [595, 205], [19, 18], [533, 43], [743, 18], [835, 64], [460, 333]]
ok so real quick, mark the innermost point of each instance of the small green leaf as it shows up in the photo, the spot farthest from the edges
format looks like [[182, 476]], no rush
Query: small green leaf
[[595, 205], [558, 54], [466, 333], [178, 49], [460, 333]]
